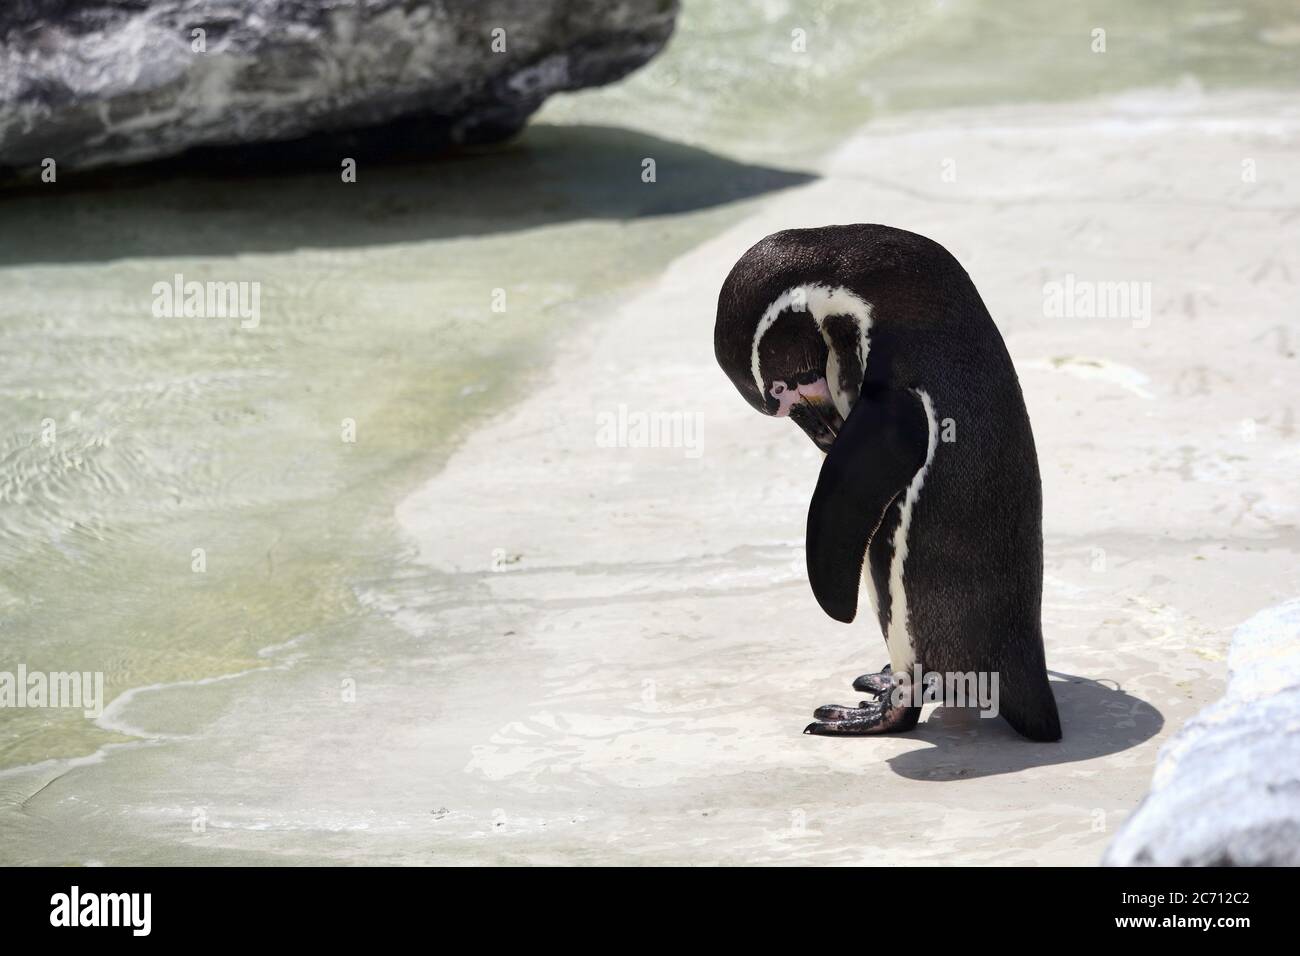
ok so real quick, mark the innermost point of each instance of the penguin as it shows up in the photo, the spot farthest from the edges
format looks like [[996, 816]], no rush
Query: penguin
[[874, 341]]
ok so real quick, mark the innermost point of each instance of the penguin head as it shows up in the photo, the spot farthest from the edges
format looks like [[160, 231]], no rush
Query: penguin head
[[794, 353], [791, 370]]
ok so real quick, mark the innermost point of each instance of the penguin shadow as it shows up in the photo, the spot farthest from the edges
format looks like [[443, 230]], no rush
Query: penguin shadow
[[233, 200], [1098, 717]]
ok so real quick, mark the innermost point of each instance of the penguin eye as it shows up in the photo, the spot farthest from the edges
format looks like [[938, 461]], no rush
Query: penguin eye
[[778, 389]]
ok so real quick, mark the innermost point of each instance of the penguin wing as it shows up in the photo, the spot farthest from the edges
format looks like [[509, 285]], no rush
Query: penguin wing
[[880, 447]]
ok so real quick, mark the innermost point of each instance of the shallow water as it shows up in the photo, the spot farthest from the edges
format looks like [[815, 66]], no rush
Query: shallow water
[[129, 441], [733, 74]]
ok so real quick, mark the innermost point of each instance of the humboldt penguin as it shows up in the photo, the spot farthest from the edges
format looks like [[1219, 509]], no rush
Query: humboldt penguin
[[875, 342]]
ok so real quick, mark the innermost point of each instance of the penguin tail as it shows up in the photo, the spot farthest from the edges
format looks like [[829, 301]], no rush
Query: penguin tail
[[1030, 709]]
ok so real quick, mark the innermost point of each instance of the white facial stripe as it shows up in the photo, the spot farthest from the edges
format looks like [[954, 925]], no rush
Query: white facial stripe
[[821, 302], [902, 651], [779, 305]]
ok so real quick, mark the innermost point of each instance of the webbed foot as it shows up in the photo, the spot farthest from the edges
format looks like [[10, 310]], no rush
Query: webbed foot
[[878, 716], [875, 683]]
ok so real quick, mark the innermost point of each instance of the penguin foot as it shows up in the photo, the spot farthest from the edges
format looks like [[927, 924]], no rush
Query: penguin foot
[[875, 683], [878, 716]]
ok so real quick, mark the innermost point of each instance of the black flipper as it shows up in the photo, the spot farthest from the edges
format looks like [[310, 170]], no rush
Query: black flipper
[[880, 447]]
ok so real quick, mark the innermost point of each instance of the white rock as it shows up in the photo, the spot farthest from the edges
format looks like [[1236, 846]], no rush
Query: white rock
[[1226, 790]]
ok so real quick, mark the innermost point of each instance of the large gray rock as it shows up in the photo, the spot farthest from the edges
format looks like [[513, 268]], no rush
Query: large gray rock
[[94, 83], [1227, 787]]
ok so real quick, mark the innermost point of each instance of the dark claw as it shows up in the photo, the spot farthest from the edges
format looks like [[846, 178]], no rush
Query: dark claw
[[842, 728]]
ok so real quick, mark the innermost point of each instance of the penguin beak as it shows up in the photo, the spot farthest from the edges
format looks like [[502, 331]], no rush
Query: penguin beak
[[819, 419]]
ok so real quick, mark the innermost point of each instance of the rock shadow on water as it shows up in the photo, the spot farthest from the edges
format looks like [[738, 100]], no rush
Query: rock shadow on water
[[238, 200], [1098, 718]]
